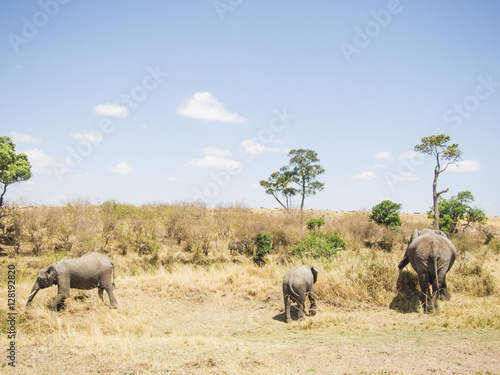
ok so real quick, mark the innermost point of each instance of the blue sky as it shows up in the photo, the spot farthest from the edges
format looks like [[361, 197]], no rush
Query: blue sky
[[163, 101]]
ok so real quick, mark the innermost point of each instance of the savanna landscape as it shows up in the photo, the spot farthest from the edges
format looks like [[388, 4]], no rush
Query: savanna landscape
[[187, 304]]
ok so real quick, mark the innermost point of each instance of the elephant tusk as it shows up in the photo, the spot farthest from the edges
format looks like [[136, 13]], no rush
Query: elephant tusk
[[32, 293]]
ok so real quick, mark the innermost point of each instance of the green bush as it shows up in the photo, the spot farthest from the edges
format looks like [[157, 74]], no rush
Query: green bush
[[315, 224], [386, 213], [320, 245], [263, 243]]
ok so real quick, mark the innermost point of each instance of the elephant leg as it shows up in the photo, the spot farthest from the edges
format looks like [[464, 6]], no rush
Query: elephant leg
[[58, 302], [425, 293], [100, 293], [288, 303], [112, 299], [312, 300], [301, 301], [443, 288]]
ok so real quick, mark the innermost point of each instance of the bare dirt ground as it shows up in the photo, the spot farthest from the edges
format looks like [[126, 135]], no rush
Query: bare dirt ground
[[226, 331]]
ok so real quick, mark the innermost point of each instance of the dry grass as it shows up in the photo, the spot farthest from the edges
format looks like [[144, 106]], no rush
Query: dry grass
[[181, 310]]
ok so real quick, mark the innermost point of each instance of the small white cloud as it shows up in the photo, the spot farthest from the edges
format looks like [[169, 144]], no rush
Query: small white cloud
[[91, 136], [215, 151], [464, 166], [254, 148], [122, 168], [411, 155], [384, 155], [365, 176], [143, 126], [215, 159], [40, 162], [204, 106], [111, 110], [23, 138]]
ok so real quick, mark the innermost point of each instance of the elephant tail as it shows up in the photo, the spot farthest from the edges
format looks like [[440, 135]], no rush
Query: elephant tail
[[435, 284], [113, 265]]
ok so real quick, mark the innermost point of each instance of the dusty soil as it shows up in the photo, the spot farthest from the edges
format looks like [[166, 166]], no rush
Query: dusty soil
[[229, 332]]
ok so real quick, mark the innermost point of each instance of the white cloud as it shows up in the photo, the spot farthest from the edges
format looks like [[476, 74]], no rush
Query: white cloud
[[40, 162], [214, 158], [204, 106], [111, 110], [411, 155], [384, 155], [92, 136], [122, 168], [365, 176], [464, 166], [215, 151], [23, 138], [255, 148]]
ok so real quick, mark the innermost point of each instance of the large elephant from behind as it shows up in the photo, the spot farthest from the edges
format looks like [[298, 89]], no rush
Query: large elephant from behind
[[298, 283], [431, 255], [91, 270]]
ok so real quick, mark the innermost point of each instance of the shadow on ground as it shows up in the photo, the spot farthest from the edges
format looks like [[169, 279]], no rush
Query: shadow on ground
[[406, 301]]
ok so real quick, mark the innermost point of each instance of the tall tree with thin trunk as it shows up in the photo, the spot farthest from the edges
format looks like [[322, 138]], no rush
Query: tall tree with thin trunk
[[301, 173], [305, 169], [436, 145]]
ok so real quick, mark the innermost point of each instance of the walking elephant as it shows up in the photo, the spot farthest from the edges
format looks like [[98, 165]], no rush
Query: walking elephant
[[92, 270], [298, 283], [431, 255]]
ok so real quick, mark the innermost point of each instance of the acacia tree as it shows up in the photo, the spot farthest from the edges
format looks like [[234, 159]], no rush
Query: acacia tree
[[13, 168], [302, 172], [304, 167], [280, 183], [436, 145]]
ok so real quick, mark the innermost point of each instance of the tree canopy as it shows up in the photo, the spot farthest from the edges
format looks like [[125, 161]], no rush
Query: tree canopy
[[386, 213], [457, 209], [13, 167], [297, 177], [436, 145]]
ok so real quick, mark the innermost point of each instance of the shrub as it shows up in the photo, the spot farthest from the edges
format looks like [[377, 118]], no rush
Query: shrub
[[315, 224], [263, 244], [473, 279], [386, 213], [320, 245]]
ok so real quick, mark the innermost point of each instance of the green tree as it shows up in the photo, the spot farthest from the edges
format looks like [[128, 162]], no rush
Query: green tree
[[457, 209], [436, 145], [301, 172], [263, 243], [386, 213], [13, 167], [303, 164], [279, 183]]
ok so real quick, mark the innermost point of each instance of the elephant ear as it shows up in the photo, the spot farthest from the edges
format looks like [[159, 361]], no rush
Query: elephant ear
[[440, 233], [52, 274], [415, 234], [315, 274]]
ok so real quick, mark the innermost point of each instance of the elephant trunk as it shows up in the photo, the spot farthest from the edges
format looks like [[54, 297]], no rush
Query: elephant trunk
[[33, 293]]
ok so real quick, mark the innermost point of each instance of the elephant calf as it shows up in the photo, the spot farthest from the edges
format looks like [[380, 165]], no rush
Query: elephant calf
[[92, 270], [298, 283], [431, 255]]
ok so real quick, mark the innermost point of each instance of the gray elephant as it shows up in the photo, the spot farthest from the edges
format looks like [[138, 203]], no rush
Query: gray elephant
[[298, 283], [92, 270], [431, 255]]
